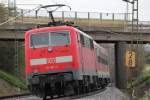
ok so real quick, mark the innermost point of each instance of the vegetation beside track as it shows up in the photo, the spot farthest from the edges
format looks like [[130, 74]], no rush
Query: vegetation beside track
[[141, 80], [140, 87], [12, 80], [146, 96]]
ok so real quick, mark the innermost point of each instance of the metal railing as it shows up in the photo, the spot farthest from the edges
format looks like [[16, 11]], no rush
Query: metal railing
[[78, 17], [89, 19]]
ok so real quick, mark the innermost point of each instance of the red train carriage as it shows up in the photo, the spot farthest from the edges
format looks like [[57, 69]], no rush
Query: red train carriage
[[63, 58], [103, 71]]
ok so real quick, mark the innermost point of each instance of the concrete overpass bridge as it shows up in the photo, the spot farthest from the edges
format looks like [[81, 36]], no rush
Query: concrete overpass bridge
[[101, 36], [103, 27]]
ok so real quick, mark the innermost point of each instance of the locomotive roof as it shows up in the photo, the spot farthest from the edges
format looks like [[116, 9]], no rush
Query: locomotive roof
[[52, 28], [81, 32], [58, 27]]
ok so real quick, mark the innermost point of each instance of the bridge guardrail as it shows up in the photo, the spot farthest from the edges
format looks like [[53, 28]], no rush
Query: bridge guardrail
[[88, 19], [77, 15], [80, 18]]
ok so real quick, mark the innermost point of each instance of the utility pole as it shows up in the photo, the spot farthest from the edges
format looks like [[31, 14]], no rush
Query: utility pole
[[12, 7], [15, 8], [135, 30], [135, 17], [134, 70]]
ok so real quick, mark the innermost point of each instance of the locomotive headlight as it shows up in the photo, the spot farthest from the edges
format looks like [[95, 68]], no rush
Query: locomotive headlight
[[50, 49]]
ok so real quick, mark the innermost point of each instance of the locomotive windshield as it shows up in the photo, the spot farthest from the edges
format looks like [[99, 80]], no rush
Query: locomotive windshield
[[57, 38], [39, 40]]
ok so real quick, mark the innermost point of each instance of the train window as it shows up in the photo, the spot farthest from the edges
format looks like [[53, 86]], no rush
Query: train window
[[104, 61], [82, 40], [59, 38], [87, 42], [78, 39], [98, 55], [39, 40], [91, 44], [98, 58]]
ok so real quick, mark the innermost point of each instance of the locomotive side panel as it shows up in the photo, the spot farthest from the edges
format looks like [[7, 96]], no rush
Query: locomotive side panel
[[86, 54], [102, 64]]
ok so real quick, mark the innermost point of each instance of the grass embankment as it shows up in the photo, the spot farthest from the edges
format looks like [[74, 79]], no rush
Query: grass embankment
[[12, 80], [79, 21]]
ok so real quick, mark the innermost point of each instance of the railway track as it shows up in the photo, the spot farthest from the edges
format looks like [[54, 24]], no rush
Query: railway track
[[15, 96], [29, 96], [88, 94]]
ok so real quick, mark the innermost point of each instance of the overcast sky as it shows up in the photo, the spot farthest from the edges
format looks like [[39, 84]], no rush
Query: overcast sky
[[107, 6]]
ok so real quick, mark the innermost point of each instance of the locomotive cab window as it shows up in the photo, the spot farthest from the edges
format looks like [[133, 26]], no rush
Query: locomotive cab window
[[39, 40], [57, 38]]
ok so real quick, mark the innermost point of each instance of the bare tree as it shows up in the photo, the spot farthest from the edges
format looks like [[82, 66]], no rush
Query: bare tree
[[3, 13]]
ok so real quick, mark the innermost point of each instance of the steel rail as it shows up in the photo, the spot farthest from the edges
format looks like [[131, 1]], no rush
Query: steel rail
[[55, 97], [16, 95]]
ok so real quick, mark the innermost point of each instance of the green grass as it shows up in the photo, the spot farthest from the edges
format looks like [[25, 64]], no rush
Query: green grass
[[79, 21], [12, 80], [141, 80]]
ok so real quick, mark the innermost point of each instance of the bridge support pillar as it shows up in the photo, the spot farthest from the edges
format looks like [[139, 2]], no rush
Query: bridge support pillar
[[120, 69]]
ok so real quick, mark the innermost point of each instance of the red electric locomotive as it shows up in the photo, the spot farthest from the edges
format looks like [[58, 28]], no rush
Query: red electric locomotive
[[61, 59]]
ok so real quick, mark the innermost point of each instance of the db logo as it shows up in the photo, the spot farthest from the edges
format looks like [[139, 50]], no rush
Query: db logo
[[51, 60]]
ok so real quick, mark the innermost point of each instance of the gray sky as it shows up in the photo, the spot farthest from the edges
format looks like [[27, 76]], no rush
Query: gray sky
[[107, 6]]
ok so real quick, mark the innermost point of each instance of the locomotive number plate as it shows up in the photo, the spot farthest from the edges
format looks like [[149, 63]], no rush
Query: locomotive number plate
[[51, 60]]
